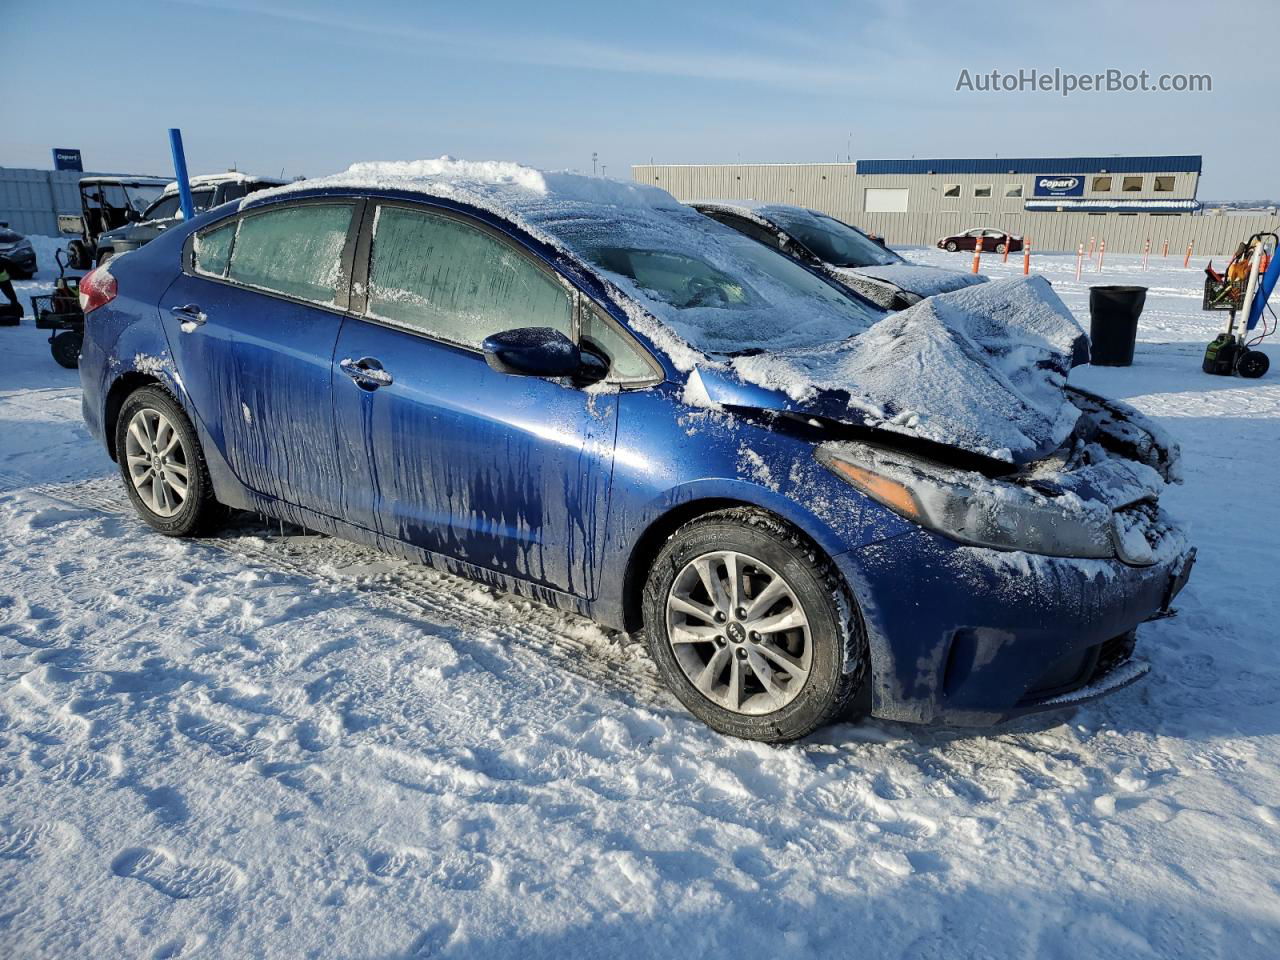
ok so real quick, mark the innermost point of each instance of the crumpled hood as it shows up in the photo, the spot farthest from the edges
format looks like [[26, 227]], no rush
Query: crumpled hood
[[983, 370], [913, 278]]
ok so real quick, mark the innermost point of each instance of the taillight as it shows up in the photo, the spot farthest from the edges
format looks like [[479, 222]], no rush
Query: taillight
[[97, 289]]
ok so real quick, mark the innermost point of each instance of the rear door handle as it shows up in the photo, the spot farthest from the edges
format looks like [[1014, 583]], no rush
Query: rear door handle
[[367, 372], [189, 316]]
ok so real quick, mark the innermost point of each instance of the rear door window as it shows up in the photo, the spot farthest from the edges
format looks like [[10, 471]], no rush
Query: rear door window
[[295, 251], [456, 282], [212, 251]]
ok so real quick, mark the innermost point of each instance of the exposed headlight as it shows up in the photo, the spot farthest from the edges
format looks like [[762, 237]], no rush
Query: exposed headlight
[[971, 508]]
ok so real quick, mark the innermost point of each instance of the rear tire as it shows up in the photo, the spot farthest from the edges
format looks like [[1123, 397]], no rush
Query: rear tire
[[162, 465], [1000, 248], [774, 672]]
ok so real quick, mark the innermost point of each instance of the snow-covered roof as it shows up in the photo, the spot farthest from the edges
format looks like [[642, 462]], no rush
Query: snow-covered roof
[[231, 176]]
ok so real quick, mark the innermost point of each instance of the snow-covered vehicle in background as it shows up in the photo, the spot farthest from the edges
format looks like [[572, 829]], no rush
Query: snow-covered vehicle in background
[[207, 191], [106, 203], [844, 253], [17, 254], [588, 393]]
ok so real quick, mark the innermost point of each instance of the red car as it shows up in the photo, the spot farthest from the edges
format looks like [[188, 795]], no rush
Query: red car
[[993, 241]]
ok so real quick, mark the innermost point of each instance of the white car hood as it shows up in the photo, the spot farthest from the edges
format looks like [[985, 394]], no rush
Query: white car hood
[[913, 278]]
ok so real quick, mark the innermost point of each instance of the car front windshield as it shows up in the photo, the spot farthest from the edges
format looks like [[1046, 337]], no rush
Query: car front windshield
[[720, 291], [831, 241]]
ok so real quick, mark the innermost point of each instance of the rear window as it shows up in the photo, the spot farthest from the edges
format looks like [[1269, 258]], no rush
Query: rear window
[[295, 251]]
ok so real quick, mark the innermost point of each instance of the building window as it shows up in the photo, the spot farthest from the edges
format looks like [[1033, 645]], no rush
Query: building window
[[1131, 185], [1101, 184], [951, 191], [885, 200], [1012, 191], [1164, 185], [982, 191]]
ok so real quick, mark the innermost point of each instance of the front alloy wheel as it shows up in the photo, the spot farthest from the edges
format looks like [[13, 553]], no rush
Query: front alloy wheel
[[752, 627], [738, 632]]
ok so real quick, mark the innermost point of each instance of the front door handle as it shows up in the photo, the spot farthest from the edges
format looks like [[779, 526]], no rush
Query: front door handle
[[189, 316], [367, 372]]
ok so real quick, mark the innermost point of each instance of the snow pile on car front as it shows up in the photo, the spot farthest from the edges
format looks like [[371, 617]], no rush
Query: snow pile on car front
[[983, 368]]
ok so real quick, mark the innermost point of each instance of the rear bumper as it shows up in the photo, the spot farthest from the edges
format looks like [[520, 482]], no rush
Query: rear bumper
[[974, 637]]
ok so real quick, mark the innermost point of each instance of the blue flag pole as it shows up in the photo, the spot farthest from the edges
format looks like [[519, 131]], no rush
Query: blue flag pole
[[1267, 284], [180, 173]]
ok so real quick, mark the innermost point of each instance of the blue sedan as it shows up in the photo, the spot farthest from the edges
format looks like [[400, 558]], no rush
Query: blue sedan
[[529, 380]]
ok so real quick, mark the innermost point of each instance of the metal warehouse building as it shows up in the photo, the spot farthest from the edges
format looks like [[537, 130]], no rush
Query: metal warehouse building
[[1056, 201]]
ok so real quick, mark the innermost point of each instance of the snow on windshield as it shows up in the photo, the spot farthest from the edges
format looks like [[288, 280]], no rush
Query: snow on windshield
[[714, 289]]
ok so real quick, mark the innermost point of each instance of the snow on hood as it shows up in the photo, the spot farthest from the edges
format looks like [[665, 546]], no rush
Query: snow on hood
[[914, 278], [983, 369]]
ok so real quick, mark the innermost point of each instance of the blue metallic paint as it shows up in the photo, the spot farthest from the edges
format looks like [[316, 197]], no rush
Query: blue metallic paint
[[555, 493]]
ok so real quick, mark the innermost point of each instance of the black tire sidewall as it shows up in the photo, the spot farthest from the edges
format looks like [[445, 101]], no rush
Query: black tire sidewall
[[951, 246], [61, 348], [826, 689], [196, 509]]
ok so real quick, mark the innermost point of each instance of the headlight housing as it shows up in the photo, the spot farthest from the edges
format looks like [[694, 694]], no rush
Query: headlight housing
[[971, 508]]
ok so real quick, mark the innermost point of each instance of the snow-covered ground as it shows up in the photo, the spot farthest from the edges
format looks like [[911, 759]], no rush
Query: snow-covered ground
[[268, 745]]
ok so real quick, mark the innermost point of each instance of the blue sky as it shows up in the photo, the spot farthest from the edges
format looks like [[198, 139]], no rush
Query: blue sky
[[309, 87]]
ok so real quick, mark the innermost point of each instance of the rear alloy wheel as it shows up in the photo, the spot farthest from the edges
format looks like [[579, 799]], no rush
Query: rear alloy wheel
[[163, 468], [1000, 248], [952, 246], [752, 628]]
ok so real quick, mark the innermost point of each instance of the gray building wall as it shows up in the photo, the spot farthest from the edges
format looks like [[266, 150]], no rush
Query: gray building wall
[[30, 200], [838, 189]]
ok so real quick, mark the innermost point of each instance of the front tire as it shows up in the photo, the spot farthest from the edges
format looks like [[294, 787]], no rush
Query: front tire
[[752, 627], [952, 246], [163, 467]]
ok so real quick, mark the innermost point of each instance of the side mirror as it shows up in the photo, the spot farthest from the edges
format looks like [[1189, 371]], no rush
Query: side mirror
[[533, 352]]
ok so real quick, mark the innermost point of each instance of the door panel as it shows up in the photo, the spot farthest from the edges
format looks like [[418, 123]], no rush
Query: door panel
[[258, 367], [505, 472]]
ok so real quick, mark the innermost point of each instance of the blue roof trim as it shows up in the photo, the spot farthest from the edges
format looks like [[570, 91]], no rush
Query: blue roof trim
[[1172, 164]]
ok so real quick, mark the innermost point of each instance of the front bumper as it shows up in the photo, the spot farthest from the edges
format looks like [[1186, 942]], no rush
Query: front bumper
[[972, 636]]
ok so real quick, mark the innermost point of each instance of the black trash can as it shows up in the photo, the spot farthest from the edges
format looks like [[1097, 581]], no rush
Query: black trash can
[[1113, 324]]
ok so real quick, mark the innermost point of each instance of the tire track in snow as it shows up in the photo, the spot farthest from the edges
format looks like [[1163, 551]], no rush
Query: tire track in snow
[[583, 649]]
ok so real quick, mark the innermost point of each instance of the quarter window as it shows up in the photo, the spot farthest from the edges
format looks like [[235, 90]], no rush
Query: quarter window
[[625, 361], [1101, 184], [296, 251], [212, 251], [453, 281]]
